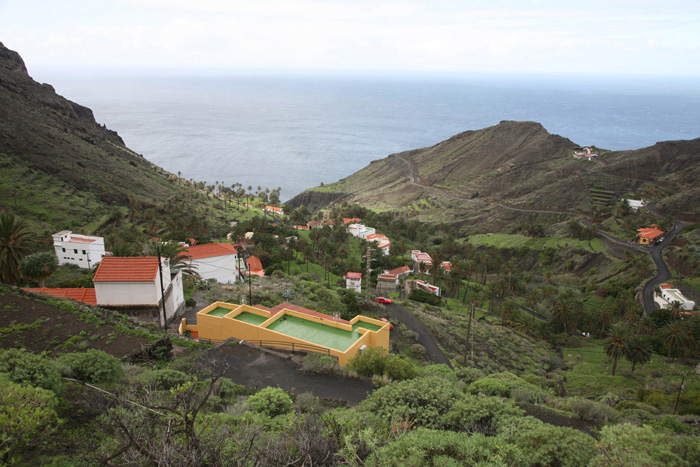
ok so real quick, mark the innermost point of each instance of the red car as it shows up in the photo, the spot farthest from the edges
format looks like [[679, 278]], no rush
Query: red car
[[384, 300]]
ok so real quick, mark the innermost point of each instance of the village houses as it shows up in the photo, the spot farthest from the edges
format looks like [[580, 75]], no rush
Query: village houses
[[217, 261], [82, 250]]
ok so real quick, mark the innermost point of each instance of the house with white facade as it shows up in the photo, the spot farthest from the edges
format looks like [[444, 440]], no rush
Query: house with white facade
[[218, 261], [353, 280], [670, 295], [382, 242], [400, 273], [135, 282], [635, 204], [274, 210], [82, 250], [419, 257]]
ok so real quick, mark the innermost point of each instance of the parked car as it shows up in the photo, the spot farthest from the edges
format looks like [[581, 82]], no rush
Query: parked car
[[384, 300]]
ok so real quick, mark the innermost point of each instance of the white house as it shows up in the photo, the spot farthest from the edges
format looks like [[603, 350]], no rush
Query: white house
[[668, 296], [136, 282], [428, 288], [419, 257], [274, 210], [81, 250], [382, 241], [353, 280], [635, 204], [218, 261]]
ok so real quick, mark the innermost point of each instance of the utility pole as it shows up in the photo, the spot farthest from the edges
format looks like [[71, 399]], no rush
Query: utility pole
[[162, 291], [368, 269], [680, 388]]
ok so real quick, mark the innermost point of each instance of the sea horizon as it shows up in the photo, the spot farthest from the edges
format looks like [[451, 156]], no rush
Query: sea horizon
[[298, 130]]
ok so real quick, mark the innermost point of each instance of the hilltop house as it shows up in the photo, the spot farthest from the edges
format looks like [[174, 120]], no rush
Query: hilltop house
[[218, 261], [274, 210], [353, 280], [635, 204], [387, 283], [419, 257], [82, 250], [421, 285], [382, 242], [130, 282], [400, 273]]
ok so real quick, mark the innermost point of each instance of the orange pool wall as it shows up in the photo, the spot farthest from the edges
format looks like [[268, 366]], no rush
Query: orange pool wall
[[220, 328]]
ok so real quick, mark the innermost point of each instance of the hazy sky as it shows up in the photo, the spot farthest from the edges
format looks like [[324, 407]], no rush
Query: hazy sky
[[599, 36]]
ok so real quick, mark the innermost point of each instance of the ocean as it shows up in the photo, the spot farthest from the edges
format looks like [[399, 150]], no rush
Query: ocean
[[297, 131]]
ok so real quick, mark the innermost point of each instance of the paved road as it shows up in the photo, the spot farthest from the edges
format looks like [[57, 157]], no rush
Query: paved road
[[425, 337], [663, 274]]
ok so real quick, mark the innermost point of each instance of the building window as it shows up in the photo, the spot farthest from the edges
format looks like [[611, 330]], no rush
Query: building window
[[64, 250], [83, 251], [75, 251]]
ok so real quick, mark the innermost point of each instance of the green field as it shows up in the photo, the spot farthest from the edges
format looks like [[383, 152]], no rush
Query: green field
[[515, 241]]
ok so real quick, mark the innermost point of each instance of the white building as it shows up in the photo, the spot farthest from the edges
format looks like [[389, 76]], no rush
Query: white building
[[81, 250], [218, 261], [668, 296], [382, 242], [353, 280], [136, 282], [635, 204]]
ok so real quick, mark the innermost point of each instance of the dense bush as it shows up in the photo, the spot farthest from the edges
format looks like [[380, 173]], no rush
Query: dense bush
[[424, 297], [424, 447], [591, 410], [441, 370], [164, 379], [469, 374], [27, 368], [477, 414], [26, 415], [270, 401], [553, 445], [507, 384], [91, 366], [375, 362], [397, 367]]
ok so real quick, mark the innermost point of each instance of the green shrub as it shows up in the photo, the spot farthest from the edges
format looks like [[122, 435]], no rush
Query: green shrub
[[507, 384], [591, 410], [424, 297], [27, 368], [398, 368], [425, 401], [164, 379], [91, 366], [477, 414], [228, 388], [441, 370], [369, 362], [553, 445], [270, 401], [190, 302], [425, 447], [318, 363], [27, 414], [469, 374]]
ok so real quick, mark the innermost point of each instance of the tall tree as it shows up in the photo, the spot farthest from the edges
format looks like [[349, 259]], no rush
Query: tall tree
[[15, 243], [638, 350], [616, 344]]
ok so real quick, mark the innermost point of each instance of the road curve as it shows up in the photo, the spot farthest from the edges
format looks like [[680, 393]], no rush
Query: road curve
[[663, 272], [425, 337]]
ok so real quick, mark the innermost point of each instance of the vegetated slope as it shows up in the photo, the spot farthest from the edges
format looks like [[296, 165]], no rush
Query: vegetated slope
[[514, 169], [45, 135]]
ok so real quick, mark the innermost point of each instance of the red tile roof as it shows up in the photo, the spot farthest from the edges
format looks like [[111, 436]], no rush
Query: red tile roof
[[650, 233], [401, 270], [255, 266], [127, 269], [76, 239], [210, 250], [353, 275], [351, 220], [83, 295]]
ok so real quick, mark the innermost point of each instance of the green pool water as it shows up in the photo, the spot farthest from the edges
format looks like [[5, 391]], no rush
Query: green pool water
[[250, 318], [219, 311], [315, 333], [368, 326]]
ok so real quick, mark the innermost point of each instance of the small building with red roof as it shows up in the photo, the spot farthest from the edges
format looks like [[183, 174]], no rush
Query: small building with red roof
[[274, 210], [401, 272], [353, 281], [255, 266], [649, 235], [135, 282], [387, 283], [218, 261]]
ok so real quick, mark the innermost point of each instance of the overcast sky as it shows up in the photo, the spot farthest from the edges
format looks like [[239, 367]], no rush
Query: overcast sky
[[659, 37]]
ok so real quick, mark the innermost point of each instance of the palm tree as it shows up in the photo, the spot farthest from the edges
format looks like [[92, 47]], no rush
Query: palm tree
[[616, 344], [15, 242], [638, 350], [673, 336]]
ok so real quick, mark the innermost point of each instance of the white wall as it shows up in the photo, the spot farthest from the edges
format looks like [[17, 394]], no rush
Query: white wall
[[220, 268]]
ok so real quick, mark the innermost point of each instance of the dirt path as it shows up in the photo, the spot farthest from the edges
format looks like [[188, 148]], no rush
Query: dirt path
[[257, 368], [425, 337]]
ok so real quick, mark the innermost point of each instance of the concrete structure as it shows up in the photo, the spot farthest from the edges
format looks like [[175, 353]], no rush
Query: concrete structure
[[353, 280], [647, 236], [289, 327], [135, 282], [668, 296], [218, 261], [81, 250], [387, 283]]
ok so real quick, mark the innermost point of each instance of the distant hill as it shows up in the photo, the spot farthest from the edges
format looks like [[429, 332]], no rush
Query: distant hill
[[53, 152], [500, 174]]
